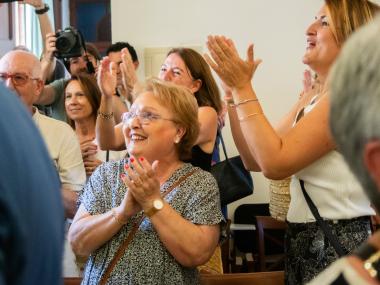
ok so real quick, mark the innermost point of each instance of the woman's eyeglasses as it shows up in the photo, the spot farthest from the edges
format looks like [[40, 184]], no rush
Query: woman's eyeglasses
[[18, 79], [144, 117]]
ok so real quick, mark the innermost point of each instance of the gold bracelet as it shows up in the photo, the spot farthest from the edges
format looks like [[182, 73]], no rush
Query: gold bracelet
[[105, 116], [241, 119], [116, 218], [246, 101]]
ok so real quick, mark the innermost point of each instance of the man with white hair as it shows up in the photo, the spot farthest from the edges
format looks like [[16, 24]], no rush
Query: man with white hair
[[21, 72], [355, 124]]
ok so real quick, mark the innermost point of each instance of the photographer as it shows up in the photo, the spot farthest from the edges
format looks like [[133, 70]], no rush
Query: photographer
[[79, 56], [79, 64], [48, 63], [87, 61]]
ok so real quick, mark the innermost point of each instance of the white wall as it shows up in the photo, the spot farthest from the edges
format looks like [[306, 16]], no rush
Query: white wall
[[277, 28]]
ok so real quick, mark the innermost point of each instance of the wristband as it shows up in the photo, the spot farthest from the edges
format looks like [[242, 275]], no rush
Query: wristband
[[42, 10]]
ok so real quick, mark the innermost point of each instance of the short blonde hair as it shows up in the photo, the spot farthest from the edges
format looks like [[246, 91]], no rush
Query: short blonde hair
[[183, 105], [348, 15]]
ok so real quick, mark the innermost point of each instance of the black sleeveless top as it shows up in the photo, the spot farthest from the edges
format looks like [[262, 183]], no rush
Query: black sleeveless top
[[200, 158]]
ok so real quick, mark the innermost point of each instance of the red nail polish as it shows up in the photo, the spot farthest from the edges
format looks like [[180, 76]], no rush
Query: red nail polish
[[122, 176], [141, 159], [132, 159], [126, 166]]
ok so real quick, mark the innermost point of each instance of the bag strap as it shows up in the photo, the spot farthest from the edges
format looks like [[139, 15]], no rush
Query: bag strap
[[122, 248], [324, 226], [219, 133]]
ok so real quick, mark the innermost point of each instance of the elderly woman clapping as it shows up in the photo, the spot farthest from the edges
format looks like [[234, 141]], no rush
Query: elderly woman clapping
[[178, 231]]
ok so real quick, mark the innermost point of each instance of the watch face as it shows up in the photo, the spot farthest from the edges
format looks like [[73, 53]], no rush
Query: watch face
[[158, 204]]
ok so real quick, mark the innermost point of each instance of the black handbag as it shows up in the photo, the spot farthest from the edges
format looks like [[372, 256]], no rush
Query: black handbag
[[234, 181]]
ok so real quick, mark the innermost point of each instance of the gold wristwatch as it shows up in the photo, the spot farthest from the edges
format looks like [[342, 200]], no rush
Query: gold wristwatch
[[158, 204]]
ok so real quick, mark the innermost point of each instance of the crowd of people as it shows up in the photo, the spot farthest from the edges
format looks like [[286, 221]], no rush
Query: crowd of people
[[126, 162]]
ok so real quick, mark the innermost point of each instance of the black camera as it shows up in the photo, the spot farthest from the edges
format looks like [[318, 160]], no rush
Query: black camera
[[69, 43]]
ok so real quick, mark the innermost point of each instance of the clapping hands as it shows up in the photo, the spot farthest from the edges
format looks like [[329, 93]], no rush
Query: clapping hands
[[225, 61], [89, 150], [143, 185], [107, 77], [127, 68]]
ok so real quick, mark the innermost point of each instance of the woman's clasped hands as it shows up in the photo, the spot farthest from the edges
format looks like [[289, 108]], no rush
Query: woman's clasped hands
[[143, 186]]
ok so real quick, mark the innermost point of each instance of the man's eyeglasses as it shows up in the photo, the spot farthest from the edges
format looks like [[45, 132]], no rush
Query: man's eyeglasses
[[144, 117], [18, 79]]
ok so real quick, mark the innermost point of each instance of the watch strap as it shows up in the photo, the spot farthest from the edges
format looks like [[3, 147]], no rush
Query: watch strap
[[153, 210], [42, 10]]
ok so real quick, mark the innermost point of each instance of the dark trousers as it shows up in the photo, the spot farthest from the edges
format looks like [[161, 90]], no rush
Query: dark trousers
[[308, 251]]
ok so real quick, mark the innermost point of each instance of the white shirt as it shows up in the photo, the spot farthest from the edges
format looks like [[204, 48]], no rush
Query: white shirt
[[331, 186], [64, 149], [333, 189], [113, 155]]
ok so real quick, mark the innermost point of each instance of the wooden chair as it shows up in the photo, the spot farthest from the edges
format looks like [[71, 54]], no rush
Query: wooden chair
[[272, 232], [245, 241], [72, 280], [226, 250], [257, 278]]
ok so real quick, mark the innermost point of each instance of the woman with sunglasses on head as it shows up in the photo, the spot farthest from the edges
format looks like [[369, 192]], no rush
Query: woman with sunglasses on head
[[82, 100], [302, 146], [182, 66], [178, 203]]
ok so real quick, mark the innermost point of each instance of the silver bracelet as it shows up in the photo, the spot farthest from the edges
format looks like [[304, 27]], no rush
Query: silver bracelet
[[246, 101]]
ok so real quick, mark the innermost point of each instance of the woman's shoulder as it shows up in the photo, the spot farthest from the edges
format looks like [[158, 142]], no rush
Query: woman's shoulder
[[201, 177], [105, 179], [207, 110]]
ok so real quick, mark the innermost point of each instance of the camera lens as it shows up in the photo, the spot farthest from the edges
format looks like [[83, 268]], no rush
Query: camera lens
[[65, 42]]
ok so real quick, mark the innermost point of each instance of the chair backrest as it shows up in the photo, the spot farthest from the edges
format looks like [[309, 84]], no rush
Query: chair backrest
[[272, 232], [246, 214], [259, 278]]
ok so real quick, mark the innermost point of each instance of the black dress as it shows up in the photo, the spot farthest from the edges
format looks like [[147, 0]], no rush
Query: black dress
[[200, 158]]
